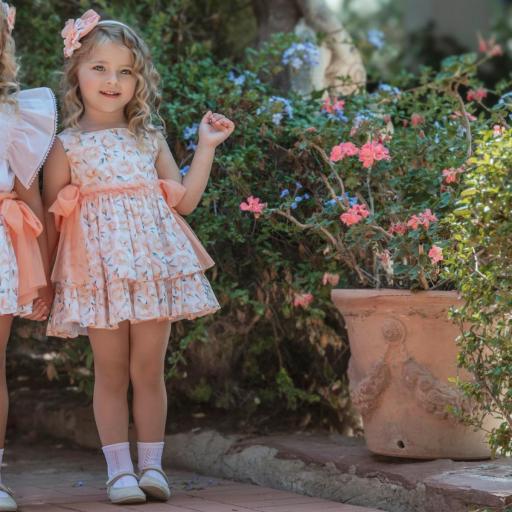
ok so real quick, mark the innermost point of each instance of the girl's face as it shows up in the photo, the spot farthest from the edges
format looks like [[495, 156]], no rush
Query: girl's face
[[106, 79]]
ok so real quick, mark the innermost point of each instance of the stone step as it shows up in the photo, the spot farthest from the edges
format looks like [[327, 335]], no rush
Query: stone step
[[342, 469]]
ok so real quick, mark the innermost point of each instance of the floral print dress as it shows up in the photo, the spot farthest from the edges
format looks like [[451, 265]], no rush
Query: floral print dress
[[139, 259], [27, 131]]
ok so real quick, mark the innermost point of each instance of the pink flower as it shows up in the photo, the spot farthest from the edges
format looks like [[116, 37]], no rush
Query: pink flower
[[498, 130], [456, 114], [302, 300], [477, 95], [372, 152], [423, 219], [354, 215], [435, 254], [331, 279], [417, 119], [361, 210], [349, 218], [332, 107], [311, 129], [343, 150], [74, 30], [385, 258], [253, 205], [450, 175], [398, 227], [496, 51], [427, 217], [482, 44], [414, 222], [489, 47]]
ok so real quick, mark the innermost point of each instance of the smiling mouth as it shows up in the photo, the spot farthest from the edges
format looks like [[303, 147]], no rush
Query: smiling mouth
[[110, 94]]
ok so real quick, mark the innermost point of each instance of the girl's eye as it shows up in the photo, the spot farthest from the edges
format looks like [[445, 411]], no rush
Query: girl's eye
[[126, 72], [99, 68]]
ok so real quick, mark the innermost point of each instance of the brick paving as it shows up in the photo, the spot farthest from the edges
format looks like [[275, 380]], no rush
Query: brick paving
[[49, 477]]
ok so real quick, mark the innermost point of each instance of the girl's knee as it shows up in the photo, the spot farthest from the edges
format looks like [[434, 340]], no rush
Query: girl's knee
[[146, 374], [113, 378]]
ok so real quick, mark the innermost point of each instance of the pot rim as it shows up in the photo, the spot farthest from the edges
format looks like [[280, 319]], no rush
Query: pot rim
[[351, 299]]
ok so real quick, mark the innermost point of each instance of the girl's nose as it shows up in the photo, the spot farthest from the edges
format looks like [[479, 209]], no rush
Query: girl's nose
[[112, 78]]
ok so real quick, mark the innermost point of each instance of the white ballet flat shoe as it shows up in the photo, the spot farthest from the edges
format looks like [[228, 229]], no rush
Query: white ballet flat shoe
[[124, 495], [153, 487], [7, 504]]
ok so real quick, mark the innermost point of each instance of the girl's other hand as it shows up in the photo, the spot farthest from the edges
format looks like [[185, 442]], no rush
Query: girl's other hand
[[215, 129], [42, 305]]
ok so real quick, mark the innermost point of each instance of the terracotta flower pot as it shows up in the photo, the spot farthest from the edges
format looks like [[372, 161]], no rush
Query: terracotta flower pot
[[403, 355]]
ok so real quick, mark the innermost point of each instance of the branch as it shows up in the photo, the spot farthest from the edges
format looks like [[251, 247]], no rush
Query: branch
[[327, 160], [338, 244], [465, 120]]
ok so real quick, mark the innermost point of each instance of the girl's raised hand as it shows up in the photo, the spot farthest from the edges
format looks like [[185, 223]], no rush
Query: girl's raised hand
[[215, 129]]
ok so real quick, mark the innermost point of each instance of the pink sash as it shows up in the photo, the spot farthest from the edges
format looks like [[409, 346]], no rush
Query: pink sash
[[71, 263], [24, 228]]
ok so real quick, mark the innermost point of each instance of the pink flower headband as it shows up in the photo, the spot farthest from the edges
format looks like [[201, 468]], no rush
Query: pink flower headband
[[74, 30], [10, 15]]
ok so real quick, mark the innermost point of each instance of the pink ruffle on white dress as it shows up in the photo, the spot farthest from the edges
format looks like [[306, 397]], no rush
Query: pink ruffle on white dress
[[124, 252], [27, 131]]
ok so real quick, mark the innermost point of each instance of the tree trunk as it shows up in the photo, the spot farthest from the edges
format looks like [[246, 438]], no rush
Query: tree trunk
[[341, 69]]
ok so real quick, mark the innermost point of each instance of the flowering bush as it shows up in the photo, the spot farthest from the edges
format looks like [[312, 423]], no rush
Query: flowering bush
[[382, 174]]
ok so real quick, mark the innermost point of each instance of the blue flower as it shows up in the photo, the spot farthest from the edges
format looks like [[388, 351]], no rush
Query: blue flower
[[191, 146], [375, 38], [293, 205], [242, 77], [333, 202], [298, 184], [277, 107], [298, 199], [389, 89], [361, 117], [237, 80], [505, 100], [184, 170], [277, 118], [286, 104], [304, 54], [190, 131], [306, 196], [338, 115], [284, 193]]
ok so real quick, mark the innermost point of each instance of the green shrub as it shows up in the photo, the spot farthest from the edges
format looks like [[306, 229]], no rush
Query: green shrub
[[481, 264]]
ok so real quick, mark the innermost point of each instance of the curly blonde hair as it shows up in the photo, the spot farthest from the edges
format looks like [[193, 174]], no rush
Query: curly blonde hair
[[143, 108], [8, 64]]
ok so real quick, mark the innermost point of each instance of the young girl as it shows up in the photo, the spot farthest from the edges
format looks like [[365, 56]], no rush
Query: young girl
[[27, 128], [127, 264]]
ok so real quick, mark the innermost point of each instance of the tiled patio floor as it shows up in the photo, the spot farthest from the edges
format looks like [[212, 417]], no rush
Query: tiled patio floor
[[53, 478]]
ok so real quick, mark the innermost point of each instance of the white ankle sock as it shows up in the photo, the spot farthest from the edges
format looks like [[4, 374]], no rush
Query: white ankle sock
[[2, 493], [150, 454], [118, 461]]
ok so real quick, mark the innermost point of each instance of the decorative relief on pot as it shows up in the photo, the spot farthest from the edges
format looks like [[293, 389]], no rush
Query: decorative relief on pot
[[430, 393], [393, 330], [365, 395]]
